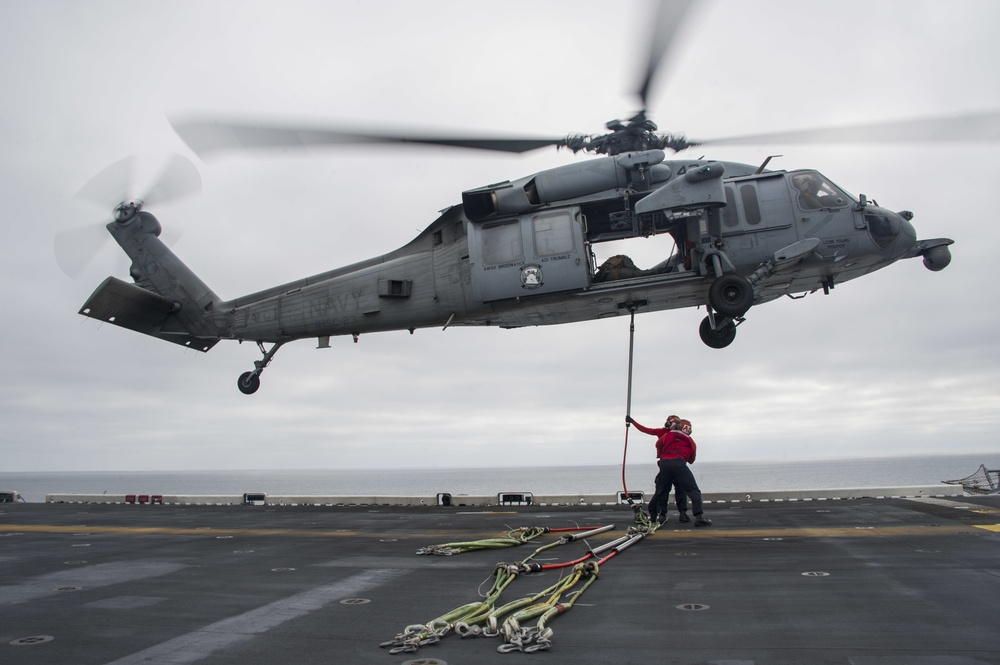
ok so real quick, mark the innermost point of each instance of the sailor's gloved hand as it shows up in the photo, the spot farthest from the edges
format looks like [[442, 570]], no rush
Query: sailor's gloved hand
[[628, 420]]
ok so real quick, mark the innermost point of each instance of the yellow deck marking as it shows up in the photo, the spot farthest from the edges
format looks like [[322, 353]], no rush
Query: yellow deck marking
[[451, 534], [169, 531], [826, 532]]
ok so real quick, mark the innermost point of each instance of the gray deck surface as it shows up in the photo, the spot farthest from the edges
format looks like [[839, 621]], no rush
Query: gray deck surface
[[864, 582]]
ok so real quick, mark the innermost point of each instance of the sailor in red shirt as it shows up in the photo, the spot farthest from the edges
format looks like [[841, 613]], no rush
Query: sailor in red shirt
[[675, 449]]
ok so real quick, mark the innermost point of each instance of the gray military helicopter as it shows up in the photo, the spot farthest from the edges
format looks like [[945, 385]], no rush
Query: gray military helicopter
[[521, 252]]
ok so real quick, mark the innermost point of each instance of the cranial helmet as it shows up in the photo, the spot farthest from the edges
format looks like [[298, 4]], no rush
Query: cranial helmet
[[684, 426], [672, 422]]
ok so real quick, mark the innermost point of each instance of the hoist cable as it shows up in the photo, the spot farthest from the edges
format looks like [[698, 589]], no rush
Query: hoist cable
[[628, 399]]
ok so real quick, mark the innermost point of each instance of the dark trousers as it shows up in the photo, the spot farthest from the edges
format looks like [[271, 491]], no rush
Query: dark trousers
[[675, 473], [662, 497]]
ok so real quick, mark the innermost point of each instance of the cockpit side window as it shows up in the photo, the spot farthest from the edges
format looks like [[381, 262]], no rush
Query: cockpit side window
[[816, 192]]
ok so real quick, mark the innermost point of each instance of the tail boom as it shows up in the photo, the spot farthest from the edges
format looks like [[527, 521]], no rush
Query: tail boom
[[167, 300]]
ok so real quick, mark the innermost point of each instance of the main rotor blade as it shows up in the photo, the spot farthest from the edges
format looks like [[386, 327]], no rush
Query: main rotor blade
[[983, 126], [670, 15], [206, 137]]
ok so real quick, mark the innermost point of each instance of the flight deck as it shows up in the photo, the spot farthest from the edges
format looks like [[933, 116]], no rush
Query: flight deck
[[864, 581]]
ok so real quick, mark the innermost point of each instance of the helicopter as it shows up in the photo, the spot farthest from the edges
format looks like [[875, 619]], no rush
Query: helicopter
[[522, 252]]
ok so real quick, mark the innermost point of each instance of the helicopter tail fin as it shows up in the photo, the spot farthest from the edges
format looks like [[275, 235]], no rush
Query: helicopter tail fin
[[167, 300], [133, 307]]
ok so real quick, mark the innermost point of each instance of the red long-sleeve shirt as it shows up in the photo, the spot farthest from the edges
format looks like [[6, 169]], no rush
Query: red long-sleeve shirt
[[671, 443]]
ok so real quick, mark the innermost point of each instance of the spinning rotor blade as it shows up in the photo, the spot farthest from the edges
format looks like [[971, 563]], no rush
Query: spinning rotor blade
[[208, 137], [113, 185], [178, 179], [75, 247], [970, 127], [669, 17]]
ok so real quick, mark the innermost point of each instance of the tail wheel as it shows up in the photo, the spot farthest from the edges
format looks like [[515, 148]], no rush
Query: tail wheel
[[248, 383], [717, 338], [730, 295]]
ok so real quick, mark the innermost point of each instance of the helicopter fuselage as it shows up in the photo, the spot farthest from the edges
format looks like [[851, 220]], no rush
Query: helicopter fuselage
[[522, 253], [524, 263]]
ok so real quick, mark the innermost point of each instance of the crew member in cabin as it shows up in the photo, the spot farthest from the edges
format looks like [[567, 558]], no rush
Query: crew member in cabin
[[675, 449]]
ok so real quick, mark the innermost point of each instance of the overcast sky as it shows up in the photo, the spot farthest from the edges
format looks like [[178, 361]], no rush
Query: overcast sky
[[901, 362]]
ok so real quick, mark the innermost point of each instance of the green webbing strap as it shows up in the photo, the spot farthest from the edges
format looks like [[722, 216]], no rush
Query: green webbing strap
[[515, 538]]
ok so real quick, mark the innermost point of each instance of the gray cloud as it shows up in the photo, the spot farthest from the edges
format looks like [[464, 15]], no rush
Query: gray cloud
[[899, 362]]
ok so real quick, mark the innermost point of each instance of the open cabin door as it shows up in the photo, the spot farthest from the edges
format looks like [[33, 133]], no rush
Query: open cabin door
[[535, 253]]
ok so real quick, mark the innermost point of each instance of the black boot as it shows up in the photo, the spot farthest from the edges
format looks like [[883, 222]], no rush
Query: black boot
[[684, 517], [701, 520]]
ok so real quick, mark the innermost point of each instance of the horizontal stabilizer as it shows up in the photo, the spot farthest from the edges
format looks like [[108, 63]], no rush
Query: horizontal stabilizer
[[133, 307]]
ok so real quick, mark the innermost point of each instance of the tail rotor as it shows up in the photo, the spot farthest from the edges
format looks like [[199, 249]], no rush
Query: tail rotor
[[115, 186]]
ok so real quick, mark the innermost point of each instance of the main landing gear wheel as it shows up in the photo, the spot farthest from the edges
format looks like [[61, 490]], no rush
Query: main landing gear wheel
[[720, 337], [730, 295], [248, 383]]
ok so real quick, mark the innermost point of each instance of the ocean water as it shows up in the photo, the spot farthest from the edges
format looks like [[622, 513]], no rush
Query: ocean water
[[712, 477]]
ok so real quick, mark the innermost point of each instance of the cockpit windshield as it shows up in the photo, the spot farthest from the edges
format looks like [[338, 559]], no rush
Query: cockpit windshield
[[815, 192], [883, 226]]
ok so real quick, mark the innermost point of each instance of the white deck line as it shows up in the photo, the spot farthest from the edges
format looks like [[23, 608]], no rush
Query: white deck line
[[504, 498]]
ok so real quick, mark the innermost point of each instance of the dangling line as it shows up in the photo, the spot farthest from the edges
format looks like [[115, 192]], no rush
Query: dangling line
[[628, 399], [624, 456]]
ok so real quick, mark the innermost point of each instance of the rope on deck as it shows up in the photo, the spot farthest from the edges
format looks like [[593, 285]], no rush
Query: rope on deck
[[483, 618]]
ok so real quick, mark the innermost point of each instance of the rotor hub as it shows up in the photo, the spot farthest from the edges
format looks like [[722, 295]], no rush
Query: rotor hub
[[633, 134], [126, 210]]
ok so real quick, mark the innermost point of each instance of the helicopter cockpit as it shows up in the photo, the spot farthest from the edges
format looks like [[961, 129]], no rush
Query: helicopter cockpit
[[815, 192], [883, 227]]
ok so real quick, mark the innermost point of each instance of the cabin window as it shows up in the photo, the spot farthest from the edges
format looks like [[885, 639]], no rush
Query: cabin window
[[502, 243], [553, 234], [751, 207], [730, 216]]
